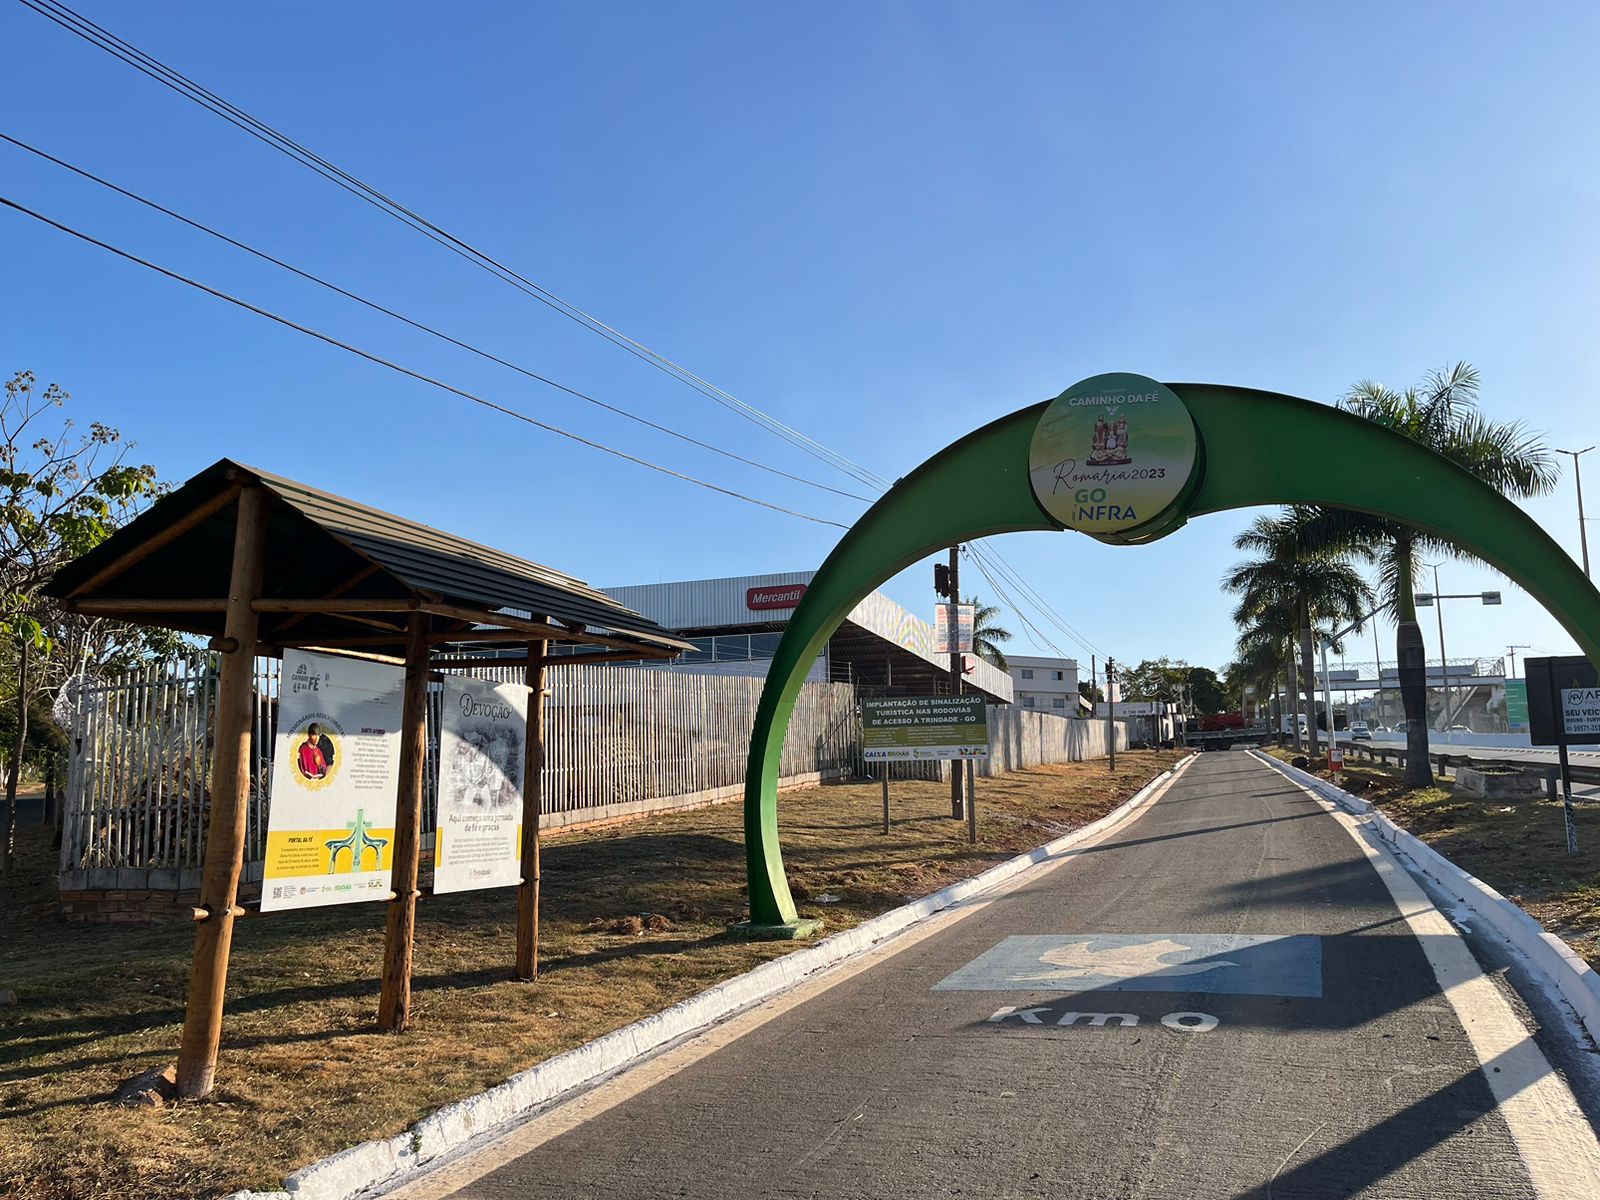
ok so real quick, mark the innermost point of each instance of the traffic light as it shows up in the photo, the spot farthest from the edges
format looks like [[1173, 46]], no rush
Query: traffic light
[[941, 579]]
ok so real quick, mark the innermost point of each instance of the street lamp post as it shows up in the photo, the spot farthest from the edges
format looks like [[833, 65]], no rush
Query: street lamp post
[[1327, 685], [1577, 480], [1424, 599]]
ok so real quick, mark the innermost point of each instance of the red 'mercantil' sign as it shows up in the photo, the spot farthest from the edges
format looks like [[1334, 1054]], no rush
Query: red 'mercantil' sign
[[785, 596]]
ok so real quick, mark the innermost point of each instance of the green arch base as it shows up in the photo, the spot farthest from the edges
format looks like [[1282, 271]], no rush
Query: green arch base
[[1255, 448]]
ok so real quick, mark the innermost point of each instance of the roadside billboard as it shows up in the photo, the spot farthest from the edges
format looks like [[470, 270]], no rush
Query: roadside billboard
[[1563, 701], [924, 728]]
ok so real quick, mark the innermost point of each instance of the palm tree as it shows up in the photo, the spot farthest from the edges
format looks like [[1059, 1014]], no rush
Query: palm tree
[[986, 635], [1443, 415], [1294, 587], [1263, 657]]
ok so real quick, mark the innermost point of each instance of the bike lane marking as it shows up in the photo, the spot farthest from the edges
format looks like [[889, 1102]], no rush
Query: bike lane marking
[[458, 1171]]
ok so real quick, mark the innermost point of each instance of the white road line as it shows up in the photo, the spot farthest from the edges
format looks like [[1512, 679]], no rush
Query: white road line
[[1551, 1132], [456, 1173]]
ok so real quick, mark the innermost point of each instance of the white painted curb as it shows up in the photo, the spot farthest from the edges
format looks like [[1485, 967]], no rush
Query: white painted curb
[[385, 1163], [1574, 979]]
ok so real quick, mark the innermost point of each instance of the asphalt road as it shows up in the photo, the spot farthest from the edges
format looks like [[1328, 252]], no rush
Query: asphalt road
[[1221, 999]]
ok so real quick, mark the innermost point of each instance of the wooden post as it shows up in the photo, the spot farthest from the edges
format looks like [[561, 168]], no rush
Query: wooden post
[[532, 811], [972, 803], [230, 802], [394, 1003], [886, 797]]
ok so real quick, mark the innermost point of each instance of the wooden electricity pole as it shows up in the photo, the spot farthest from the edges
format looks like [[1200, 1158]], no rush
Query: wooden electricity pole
[[957, 808], [394, 1004], [230, 801], [532, 812]]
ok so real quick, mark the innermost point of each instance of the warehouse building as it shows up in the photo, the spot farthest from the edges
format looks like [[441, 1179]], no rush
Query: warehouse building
[[735, 625]]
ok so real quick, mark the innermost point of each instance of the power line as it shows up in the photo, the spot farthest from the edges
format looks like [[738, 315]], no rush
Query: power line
[[1045, 609], [64, 17], [415, 324], [407, 371], [983, 570]]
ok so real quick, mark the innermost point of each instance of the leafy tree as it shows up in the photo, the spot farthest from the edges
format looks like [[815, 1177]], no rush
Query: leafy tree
[[1092, 692], [1294, 584], [61, 494], [987, 634], [1443, 415], [1154, 679], [1205, 691]]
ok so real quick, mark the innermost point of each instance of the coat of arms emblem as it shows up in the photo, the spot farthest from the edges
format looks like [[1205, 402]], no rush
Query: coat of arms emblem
[[1110, 441]]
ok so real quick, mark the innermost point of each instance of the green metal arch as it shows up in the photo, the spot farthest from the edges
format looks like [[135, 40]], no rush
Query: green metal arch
[[1255, 448]]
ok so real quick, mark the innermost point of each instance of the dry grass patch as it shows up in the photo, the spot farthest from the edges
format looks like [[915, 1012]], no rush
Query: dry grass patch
[[1519, 848], [635, 920]]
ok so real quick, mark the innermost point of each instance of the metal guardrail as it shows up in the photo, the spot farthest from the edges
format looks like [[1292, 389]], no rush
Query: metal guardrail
[[1445, 762]]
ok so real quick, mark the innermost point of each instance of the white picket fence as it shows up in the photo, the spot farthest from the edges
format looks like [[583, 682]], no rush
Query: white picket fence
[[619, 741]]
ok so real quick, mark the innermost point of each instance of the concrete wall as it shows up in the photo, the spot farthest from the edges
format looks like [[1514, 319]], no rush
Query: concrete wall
[[1019, 738]]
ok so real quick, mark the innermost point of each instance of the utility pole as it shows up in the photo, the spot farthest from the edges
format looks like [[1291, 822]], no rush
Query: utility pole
[[1444, 658], [1511, 659], [1111, 712], [1577, 479], [957, 805], [1378, 675]]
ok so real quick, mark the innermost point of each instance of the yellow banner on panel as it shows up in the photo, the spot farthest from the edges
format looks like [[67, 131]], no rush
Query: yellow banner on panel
[[295, 852]]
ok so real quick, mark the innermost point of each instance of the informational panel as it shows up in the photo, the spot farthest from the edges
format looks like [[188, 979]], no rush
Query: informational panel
[[335, 766], [1517, 705], [952, 628], [479, 835], [919, 728], [1580, 711], [1563, 701]]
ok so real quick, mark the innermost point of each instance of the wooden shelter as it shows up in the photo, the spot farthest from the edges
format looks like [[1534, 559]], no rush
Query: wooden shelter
[[259, 563]]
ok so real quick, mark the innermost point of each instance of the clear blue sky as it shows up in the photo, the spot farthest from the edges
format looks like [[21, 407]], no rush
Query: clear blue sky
[[884, 223]]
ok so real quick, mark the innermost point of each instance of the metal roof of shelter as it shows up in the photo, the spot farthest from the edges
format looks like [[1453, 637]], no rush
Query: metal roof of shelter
[[365, 568]]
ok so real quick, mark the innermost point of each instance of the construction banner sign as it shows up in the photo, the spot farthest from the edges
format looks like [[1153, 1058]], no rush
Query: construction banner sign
[[920, 728]]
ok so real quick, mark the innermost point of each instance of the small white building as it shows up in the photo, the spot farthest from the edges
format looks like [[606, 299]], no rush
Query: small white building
[[1155, 720], [1046, 684]]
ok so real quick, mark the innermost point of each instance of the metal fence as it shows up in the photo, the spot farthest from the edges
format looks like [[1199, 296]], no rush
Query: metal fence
[[619, 741]]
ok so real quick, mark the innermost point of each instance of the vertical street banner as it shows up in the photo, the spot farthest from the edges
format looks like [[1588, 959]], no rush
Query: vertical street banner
[[335, 766], [478, 841], [952, 628]]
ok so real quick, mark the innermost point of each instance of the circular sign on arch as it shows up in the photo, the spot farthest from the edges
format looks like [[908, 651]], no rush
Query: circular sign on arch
[[1111, 453]]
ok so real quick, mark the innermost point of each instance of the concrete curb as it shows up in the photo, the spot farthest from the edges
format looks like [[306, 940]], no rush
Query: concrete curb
[[387, 1162], [1573, 978]]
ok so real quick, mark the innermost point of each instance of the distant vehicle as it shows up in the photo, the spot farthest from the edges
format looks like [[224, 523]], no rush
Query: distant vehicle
[[1460, 729], [1360, 733], [1400, 726], [1214, 722]]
